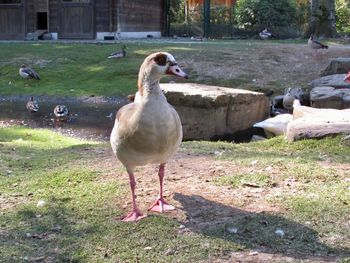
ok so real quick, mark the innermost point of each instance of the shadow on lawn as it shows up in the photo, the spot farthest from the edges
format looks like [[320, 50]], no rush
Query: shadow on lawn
[[254, 230], [52, 235]]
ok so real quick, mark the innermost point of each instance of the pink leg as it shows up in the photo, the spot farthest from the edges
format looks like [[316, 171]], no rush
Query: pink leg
[[136, 214], [160, 205]]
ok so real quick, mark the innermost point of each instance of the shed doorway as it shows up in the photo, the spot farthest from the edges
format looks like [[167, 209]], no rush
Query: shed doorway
[[41, 8]]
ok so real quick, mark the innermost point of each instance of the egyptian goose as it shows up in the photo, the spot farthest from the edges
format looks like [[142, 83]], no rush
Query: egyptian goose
[[315, 45], [32, 105], [118, 54], [149, 129], [28, 73], [265, 34], [61, 113], [347, 77]]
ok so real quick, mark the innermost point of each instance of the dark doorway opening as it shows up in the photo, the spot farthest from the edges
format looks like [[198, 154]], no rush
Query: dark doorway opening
[[41, 21]]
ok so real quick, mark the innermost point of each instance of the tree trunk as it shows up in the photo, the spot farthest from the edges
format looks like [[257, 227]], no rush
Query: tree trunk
[[322, 19]]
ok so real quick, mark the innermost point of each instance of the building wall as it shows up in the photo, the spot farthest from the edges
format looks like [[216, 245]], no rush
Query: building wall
[[103, 15], [53, 15], [133, 16], [141, 15]]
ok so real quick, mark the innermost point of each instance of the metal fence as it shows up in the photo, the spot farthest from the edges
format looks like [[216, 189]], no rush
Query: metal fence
[[202, 20]]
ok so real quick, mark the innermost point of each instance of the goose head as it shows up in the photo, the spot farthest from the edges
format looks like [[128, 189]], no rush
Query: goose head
[[158, 65]]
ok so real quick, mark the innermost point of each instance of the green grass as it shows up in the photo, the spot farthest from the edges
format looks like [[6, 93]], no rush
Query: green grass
[[72, 69], [78, 221]]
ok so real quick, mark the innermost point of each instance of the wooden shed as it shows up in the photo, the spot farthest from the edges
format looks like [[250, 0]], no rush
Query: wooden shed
[[81, 19]]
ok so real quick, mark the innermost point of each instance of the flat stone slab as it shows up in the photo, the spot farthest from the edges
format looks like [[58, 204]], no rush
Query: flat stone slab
[[330, 97], [337, 66], [207, 111], [336, 81]]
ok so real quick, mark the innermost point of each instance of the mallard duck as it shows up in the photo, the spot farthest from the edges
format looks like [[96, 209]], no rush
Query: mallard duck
[[28, 73], [61, 113], [119, 54], [32, 105], [149, 129]]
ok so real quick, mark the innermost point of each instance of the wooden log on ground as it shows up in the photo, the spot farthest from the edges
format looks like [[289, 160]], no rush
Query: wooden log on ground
[[317, 123]]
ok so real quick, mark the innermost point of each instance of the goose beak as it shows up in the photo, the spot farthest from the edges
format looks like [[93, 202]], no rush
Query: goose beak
[[175, 70]]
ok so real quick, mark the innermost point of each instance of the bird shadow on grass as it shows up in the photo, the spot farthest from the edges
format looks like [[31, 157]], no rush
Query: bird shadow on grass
[[265, 232]]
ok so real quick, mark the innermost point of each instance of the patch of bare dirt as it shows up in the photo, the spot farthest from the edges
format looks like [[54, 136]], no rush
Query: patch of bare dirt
[[202, 204], [288, 65]]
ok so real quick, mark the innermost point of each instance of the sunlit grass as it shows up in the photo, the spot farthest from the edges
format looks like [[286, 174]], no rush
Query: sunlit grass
[[78, 221]]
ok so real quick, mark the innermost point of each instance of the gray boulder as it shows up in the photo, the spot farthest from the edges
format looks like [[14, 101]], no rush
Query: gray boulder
[[330, 97], [336, 81], [212, 111], [337, 66]]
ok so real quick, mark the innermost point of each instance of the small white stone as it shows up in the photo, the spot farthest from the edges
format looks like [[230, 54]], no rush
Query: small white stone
[[279, 232], [218, 153], [254, 162], [41, 203], [232, 230]]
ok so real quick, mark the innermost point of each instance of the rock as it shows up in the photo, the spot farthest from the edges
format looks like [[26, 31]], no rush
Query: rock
[[31, 36], [337, 66], [212, 111], [336, 81], [46, 36], [330, 97]]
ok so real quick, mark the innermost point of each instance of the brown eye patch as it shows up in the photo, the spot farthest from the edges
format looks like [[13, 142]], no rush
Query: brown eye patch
[[160, 59]]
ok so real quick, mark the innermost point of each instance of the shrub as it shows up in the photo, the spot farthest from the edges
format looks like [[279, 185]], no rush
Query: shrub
[[259, 14], [342, 16]]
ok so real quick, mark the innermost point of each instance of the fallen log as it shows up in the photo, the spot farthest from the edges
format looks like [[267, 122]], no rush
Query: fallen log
[[317, 123]]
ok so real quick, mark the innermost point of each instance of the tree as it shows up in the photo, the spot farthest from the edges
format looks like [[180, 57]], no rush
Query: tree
[[322, 19]]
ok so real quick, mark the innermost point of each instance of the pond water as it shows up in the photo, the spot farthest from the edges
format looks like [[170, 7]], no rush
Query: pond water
[[90, 117]]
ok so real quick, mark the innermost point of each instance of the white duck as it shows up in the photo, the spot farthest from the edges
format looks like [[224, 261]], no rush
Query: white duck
[[28, 73], [265, 34], [276, 125], [149, 129]]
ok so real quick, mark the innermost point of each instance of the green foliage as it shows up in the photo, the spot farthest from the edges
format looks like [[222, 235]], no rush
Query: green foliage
[[303, 14], [342, 16], [259, 14]]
